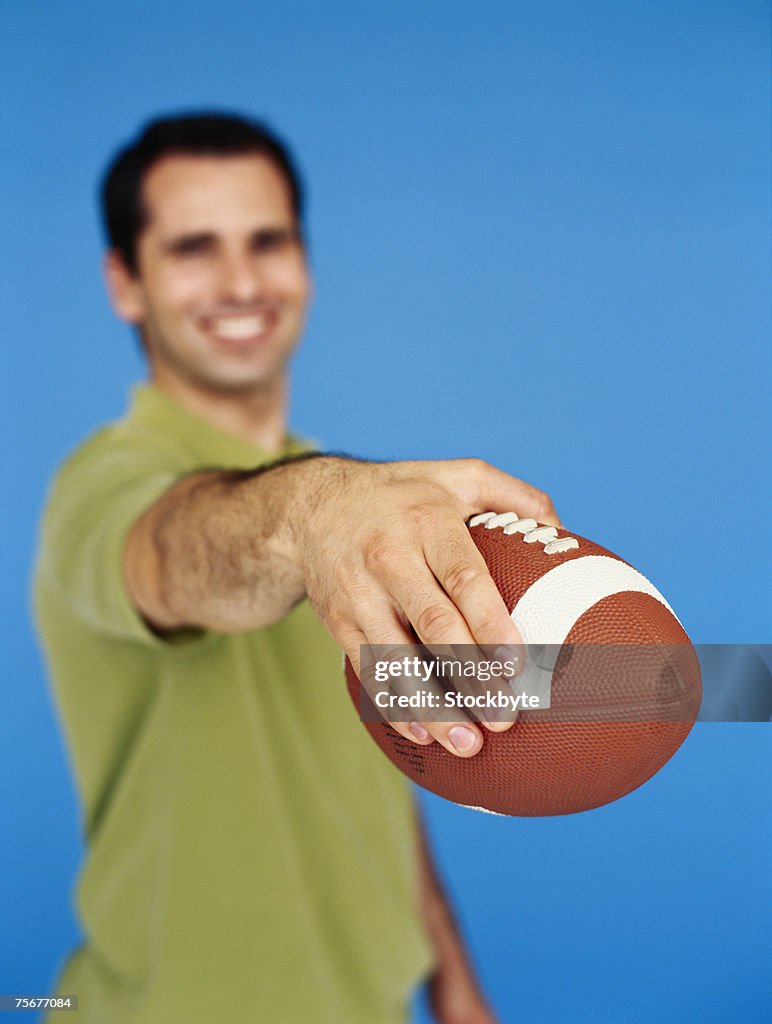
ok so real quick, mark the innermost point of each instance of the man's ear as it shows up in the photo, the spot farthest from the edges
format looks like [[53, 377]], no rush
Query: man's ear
[[124, 288]]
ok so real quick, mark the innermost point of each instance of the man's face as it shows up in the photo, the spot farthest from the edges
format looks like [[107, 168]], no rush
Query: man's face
[[222, 286]]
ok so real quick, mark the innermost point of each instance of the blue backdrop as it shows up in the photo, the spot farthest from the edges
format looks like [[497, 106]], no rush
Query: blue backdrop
[[540, 234]]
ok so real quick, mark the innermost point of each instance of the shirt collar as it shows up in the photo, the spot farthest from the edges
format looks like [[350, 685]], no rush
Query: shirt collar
[[154, 409]]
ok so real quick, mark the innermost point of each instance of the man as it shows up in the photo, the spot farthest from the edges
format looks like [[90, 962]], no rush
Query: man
[[251, 855]]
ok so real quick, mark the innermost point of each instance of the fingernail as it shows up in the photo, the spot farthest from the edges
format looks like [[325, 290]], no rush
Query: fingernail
[[508, 654], [418, 731], [463, 739], [498, 719], [492, 715]]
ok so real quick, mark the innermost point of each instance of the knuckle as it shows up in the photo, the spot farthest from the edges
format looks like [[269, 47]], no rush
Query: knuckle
[[488, 630], [475, 469], [423, 516], [378, 552], [337, 621], [435, 620], [460, 578], [543, 505]]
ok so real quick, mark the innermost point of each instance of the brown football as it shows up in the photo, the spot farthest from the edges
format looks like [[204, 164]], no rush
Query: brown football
[[625, 689]]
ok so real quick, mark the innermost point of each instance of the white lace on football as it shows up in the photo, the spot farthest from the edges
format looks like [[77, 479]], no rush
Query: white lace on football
[[542, 534], [483, 517], [530, 530], [502, 519], [521, 526]]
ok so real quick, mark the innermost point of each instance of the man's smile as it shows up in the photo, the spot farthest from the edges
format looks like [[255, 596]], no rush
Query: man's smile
[[241, 328]]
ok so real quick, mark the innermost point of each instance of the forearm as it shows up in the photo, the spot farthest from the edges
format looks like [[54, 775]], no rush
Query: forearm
[[454, 991], [441, 927], [220, 549]]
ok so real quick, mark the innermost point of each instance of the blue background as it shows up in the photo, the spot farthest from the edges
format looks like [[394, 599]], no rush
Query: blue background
[[540, 235]]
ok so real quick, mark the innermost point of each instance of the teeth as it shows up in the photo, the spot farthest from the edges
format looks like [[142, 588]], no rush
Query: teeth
[[236, 328]]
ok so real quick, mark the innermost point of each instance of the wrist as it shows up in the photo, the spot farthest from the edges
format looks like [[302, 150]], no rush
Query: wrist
[[313, 487]]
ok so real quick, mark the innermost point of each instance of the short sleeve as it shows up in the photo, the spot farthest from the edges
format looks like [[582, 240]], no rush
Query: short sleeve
[[95, 500]]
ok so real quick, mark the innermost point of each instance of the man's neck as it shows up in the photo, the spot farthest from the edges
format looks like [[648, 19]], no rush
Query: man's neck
[[258, 416]]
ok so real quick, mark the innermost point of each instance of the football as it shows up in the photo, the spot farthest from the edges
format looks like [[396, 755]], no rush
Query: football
[[625, 684]]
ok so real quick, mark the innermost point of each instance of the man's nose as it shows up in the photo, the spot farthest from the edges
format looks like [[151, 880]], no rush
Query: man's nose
[[241, 279]]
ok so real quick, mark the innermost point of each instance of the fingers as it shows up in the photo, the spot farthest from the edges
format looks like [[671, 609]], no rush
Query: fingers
[[442, 584], [458, 733], [447, 593], [465, 578], [482, 487]]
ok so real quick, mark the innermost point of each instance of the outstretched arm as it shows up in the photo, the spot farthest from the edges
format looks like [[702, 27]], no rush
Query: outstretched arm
[[380, 549]]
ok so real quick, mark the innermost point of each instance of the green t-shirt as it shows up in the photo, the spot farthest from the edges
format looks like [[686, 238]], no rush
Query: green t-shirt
[[250, 852]]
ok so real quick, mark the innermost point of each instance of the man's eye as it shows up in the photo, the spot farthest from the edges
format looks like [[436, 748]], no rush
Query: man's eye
[[190, 247], [271, 241]]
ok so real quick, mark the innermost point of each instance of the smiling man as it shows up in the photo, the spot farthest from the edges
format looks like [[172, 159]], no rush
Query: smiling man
[[223, 288], [251, 856]]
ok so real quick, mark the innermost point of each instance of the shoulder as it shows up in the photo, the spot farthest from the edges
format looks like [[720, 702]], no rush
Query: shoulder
[[122, 444], [112, 476], [118, 455]]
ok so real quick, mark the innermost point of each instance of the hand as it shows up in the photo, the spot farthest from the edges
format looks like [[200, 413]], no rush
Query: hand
[[456, 999], [386, 556]]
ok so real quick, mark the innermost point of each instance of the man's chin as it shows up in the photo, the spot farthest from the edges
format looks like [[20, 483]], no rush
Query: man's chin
[[241, 384], [238, 387], [224, 378]]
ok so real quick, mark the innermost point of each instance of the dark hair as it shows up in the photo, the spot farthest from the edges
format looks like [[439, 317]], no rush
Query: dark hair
[[204, 134]]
